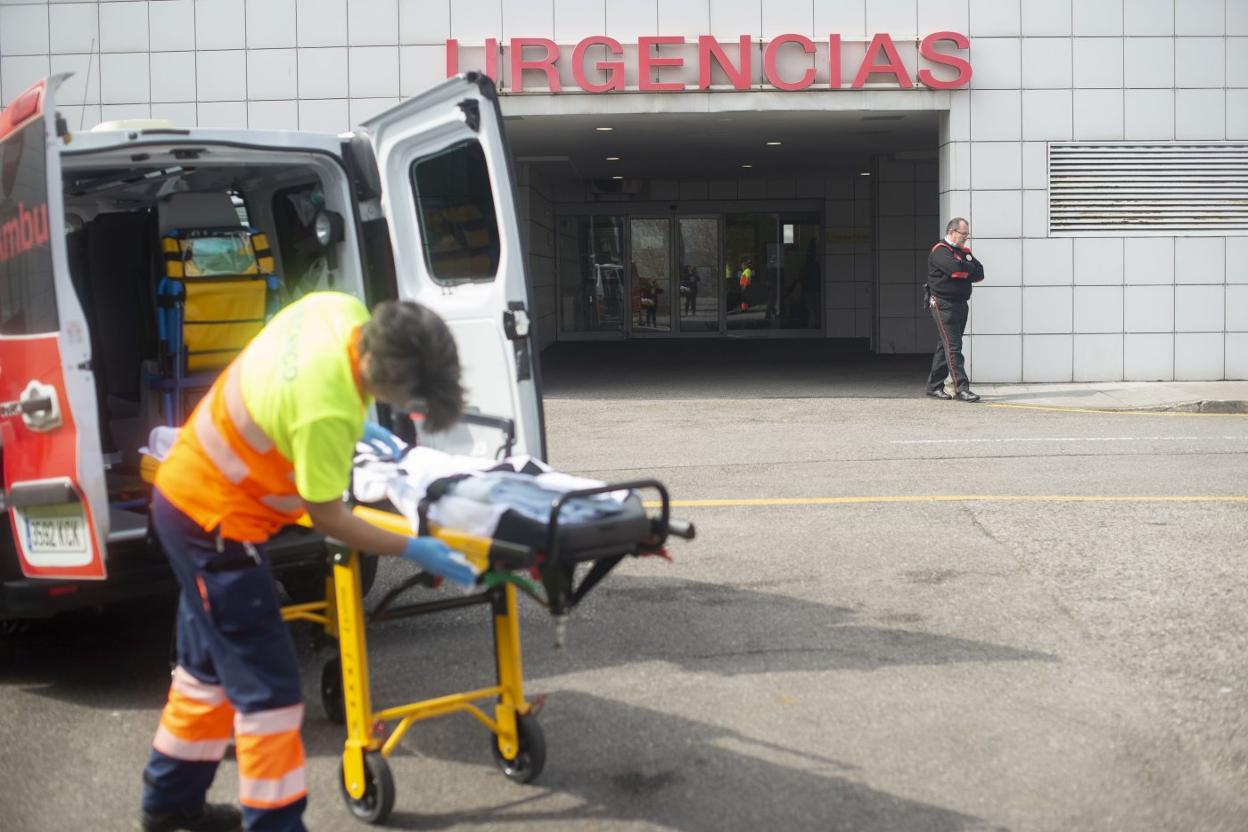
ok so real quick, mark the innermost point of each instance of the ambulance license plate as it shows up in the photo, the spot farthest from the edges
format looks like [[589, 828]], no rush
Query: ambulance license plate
[[56, 530]]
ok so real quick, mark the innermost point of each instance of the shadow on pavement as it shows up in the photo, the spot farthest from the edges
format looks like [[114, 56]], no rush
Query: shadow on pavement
[[625, 763], [117, 659], [728, 369]]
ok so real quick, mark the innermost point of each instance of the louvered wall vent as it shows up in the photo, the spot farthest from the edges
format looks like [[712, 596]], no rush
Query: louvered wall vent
[[1134, 188]]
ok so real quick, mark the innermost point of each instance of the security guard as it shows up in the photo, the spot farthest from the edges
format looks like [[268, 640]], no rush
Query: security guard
[[951, 269], [274, 438]]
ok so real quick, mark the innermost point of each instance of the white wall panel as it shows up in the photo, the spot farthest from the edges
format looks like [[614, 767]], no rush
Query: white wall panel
[[1199, 308], [1098, 261], [1149, 115], [1047, 62], [1097, 17], [996, 18], [1202, 17], [1149, 260], [1148, 357], [322, 22], [1199, 114], [1048, 358], [1098, 62], [1149, 308], [1048, 309], [219, 24], [1098, 357], [998, 359], [173, 76], [996, 62], [1098, 115], [1199, 62], [995, 115], [372, 22], [1149, 17], [1200, 260], [424, 21], [1046, 17], [1199, 356], [270, 26], [23, 30], [172, 25], [221, 76], [1148, 62], [848, 17], [1098, 309], [74, 27], [1047, 115]]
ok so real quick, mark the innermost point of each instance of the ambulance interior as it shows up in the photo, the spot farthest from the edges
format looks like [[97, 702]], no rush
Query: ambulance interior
[[179, 255]]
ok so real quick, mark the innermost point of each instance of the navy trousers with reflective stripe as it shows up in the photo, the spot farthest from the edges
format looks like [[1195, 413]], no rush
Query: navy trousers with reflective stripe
[[950, 318], [230, 633]]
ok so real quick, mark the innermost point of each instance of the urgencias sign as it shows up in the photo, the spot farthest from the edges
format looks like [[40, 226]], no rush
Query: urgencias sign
[[540, 59]]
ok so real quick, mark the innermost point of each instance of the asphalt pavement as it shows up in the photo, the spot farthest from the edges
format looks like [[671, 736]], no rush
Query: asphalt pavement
[[899, 614]]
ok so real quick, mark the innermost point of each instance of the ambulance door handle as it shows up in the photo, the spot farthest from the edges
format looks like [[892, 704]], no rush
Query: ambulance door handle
[[516, 326], [40, 408]]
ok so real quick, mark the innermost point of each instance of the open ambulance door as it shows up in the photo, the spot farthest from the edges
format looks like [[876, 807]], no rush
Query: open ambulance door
[[54, 489], [448, 198]]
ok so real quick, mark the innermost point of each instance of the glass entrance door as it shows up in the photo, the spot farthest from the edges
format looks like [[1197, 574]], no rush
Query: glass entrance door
[[697, 253], [771, 272], [650, 274]]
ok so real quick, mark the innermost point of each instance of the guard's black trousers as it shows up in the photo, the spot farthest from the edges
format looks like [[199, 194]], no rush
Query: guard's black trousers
[[950, 318]]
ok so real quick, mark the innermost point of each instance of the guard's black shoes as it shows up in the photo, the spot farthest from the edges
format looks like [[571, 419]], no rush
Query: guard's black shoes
[[966, 396], [212, 817], [939, 394]]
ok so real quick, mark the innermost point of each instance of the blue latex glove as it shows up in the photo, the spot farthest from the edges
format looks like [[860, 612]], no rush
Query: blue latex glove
[[387, 444], [435, 556]]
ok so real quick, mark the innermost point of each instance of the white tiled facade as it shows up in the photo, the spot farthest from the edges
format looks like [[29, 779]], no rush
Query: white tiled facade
[[1052, 308]]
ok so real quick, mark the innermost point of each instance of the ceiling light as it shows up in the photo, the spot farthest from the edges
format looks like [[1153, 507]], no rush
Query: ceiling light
[[604, 129], [865, 173], [773, 144], [747, 166], [617, 177], [613, 158]]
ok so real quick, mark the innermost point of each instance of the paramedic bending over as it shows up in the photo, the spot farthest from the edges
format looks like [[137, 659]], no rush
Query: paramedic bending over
[[273, 438]]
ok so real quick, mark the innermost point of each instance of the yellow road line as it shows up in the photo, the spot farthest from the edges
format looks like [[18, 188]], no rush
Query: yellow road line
[[955, 498], [1056, 409]]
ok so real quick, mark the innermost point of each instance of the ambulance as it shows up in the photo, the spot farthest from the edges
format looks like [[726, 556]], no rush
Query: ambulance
[[137, 259]]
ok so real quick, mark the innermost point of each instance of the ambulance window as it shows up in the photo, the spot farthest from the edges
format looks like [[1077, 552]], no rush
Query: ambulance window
[[455, 206], [27, 295]]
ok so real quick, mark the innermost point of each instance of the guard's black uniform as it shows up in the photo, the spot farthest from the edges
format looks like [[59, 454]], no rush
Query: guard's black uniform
[[950, 273]]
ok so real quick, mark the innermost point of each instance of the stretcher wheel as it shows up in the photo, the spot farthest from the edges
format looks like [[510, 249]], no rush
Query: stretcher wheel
[[331, 692], [530, 760], [377, 802]]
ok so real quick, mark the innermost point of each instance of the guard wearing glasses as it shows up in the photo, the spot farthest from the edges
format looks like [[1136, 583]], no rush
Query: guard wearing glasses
[[951, 269], [273, 439]]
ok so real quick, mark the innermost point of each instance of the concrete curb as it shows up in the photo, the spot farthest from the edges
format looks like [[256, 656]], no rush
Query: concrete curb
[[1201, 406]]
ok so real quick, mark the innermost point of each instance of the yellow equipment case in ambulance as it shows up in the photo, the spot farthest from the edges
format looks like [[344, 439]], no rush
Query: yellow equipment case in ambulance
[[137, 259]]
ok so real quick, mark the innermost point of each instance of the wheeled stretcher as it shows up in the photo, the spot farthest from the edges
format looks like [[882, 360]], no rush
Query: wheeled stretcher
[[572, 535]]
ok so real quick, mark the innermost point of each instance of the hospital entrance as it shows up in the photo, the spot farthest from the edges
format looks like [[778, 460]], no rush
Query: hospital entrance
[[810, 225]]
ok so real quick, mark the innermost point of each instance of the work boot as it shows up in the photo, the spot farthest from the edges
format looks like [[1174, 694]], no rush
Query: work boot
[[966, 396], [211, 817]]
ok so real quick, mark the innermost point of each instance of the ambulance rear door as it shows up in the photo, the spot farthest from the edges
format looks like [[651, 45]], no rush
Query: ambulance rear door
[[448, 196], [54, 489]]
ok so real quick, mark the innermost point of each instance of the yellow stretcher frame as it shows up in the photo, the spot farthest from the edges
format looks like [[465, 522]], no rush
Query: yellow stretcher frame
[[367, 785]]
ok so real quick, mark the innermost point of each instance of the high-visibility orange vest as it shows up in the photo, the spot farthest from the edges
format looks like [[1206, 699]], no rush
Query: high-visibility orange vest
[[224, 471]]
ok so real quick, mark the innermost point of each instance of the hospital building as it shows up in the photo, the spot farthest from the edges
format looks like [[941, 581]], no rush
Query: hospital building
[[710, 169]]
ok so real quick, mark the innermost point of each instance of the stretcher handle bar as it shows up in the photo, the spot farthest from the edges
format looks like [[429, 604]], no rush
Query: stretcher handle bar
[[482, 552], [682, 529], [552, 540], [504, 425]]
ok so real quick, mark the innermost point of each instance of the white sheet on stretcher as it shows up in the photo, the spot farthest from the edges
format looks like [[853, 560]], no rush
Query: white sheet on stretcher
[[468, 509], [404, 483]]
